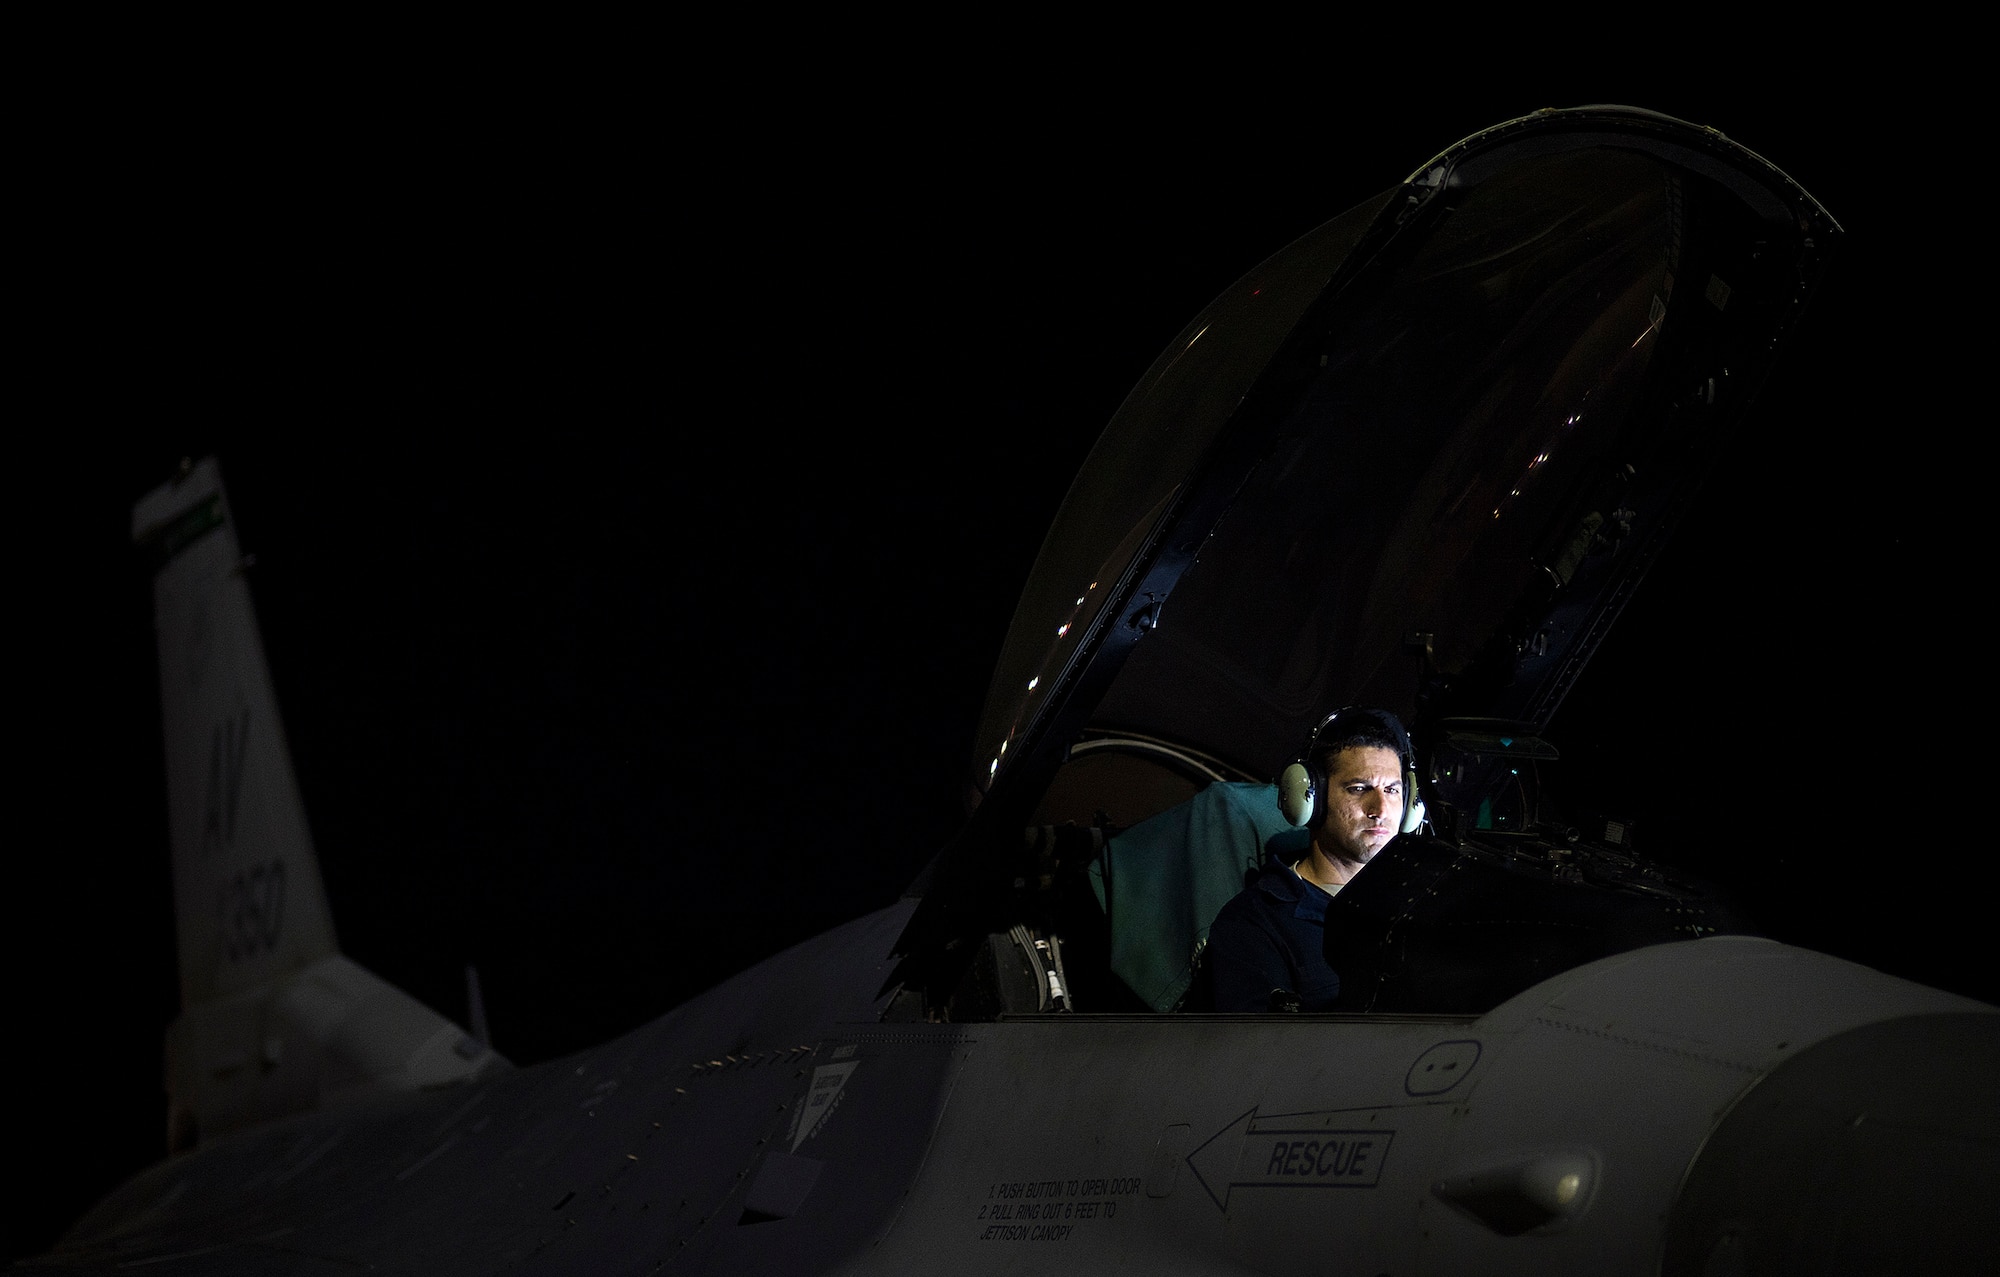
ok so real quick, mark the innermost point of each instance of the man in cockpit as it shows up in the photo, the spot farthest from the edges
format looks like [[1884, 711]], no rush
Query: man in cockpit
[[1266, 949]]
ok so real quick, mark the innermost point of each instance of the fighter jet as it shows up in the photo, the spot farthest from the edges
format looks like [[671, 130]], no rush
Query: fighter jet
[[1420, 459]]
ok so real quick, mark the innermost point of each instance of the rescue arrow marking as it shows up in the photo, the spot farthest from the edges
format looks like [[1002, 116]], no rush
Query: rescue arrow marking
[[1287, 1151]]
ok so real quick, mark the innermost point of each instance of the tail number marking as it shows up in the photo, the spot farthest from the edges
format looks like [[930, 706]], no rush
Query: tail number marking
[[252, 906]]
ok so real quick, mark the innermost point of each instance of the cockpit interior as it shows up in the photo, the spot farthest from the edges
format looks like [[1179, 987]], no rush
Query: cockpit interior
[[1419, 459]]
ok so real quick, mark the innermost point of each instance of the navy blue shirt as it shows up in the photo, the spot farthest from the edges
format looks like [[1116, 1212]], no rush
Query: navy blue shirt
[[1272, 936]]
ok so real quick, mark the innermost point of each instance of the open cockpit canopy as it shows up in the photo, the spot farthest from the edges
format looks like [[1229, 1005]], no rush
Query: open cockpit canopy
[[1417, 459]]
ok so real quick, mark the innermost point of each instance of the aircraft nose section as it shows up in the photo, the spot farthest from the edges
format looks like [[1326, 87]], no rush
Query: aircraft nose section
[[1875, 1151]]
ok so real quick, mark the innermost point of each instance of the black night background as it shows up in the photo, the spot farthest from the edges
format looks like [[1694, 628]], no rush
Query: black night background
[[640, 494]]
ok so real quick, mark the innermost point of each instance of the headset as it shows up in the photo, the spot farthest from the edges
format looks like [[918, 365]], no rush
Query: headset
[[1301, 786]]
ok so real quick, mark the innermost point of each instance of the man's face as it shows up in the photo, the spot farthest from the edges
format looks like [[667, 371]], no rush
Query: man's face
[[1364, 803]]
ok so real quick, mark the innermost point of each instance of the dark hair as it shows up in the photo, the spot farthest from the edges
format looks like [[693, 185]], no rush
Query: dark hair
[[1355, 726]]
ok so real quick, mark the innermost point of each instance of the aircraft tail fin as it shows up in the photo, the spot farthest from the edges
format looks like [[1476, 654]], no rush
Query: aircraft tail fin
[[248, 899], [273, 1019]]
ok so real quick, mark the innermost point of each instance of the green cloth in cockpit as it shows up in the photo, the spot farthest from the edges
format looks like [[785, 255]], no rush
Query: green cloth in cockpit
[[1162, 881]]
